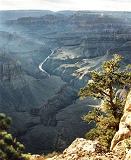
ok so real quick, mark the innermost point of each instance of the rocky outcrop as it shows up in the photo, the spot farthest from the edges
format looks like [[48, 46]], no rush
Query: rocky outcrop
[[123, 149], [121, 143], [124, 131], [77, 150], [82, 149]]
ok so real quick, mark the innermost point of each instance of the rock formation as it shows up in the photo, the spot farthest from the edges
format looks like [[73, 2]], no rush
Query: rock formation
[[82, 149], [124, 131]]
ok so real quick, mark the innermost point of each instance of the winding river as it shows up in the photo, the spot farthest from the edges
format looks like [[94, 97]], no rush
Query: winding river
[[42, 63]]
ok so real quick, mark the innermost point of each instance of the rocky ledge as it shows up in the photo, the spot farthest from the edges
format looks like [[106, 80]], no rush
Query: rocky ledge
[[82, 149]]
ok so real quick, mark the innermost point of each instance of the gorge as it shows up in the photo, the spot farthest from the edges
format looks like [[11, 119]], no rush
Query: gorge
[[45, 58]]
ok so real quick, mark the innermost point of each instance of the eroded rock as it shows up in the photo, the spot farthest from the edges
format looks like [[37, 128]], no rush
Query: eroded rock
[[124, 131]]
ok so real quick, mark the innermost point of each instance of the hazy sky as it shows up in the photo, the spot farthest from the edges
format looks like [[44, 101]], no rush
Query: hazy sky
[[55, 5]]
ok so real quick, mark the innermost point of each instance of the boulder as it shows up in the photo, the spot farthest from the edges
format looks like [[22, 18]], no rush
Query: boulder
[[77, 150]]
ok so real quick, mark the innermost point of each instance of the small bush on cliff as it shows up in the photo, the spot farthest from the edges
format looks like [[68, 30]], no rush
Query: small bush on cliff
[[10, 148], [102, 86]]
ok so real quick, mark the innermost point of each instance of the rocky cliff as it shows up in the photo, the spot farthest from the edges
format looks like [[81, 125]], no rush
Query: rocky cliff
[[122, 136]]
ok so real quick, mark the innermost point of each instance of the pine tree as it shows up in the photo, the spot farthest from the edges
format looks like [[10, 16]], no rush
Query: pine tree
[[102, 86], [10, 148]]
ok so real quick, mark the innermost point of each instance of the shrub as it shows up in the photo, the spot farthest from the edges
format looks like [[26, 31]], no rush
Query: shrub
[[10, 148]]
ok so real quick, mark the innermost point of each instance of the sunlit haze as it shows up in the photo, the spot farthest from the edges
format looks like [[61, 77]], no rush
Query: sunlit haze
[[56, 5]]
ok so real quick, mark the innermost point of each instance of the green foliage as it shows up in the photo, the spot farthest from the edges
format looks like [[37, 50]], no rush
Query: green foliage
[[102, 86], [10, 149]]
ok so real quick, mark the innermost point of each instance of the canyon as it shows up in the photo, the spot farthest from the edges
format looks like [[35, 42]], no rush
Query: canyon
[[45, 58]]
